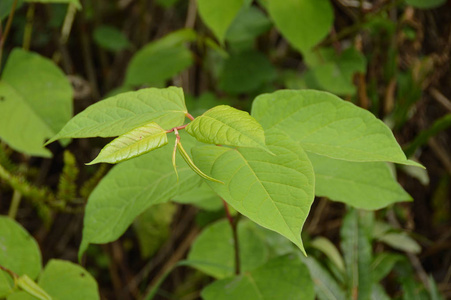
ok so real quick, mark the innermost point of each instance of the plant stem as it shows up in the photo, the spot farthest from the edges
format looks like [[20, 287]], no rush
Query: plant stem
[[28, 28], [234, 225], [15, 202], [189, 116], [6, 31]]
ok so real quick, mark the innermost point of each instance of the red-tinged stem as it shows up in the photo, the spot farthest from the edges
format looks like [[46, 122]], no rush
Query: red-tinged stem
[[176, 128], [189, 116], [233, 224]]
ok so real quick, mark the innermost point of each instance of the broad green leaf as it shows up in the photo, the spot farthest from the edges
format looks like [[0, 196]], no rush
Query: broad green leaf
[[19, 252], [120, 114], [110, 38], [326, 287], [32, 108], [248, 24], [362, 185], [383, 263], [218, 15], [6, 284], [328, 248], [304, 23], [225, 125], [335, 73], [284, 277], [425, 4], [202, 196], [76, 3], [400, 241], [133, 143], [357, 252], [160, 60], [246, 72], [20, 295], [326, 125], [275, 191], [213, 250], [28, 285], [130, 188], [152, 227], [6, 6], [65, 280]]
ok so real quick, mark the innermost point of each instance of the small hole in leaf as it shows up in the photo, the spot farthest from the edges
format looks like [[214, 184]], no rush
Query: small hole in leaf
[[82, 274], [2, 98]]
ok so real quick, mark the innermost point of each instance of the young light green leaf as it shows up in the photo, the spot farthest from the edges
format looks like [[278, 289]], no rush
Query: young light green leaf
[[357, 252], [275, 191], [328, 248], [110, 38], [32, 288], [62, 278], [400, 241], [326, 286], [160, 60], [120, 114], [32, 108], [191, 164], [225, 125], [133, 143], [326, 125], [284, 277], [19, 252], [213, 251], [129, 189], [218, 15], [367, 185], [303, 23]]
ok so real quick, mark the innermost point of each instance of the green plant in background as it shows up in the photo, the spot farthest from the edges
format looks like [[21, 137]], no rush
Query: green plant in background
[[264, 168]]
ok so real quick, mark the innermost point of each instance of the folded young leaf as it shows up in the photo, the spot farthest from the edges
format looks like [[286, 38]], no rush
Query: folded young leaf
[[225, 125], [131, 144], [275, 191], [120, 114], [325, 124]]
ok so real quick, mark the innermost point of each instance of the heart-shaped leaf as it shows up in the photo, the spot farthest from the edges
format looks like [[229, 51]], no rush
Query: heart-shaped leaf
[[324, 124], [225, 125], [134, 143], [275, 191]]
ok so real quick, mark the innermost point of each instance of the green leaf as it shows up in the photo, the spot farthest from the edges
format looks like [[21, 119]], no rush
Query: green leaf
[[248, 24], [160, 60], [362, 185], [246, 72], [425, 4], [152, 227], [110, 38], [218, 15], [76, 3], [383, 263], [6, 5], [400, 241], [326, 287], [275, 191], [32, 288], [167, 3], [66, 280], [284, 277], [213, 250], [378, 292], [202, 196], [32, 108], [303, 23], [328, 248], [336, 73], [225, 125], [6, 284], [120, 114], [357, 252], [129, 189], [133, 143], [19, 252], [326, 125]]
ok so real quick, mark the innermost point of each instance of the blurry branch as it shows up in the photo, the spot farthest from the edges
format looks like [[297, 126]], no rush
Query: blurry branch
[[4, 34], [28, 28], [440, 98]]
